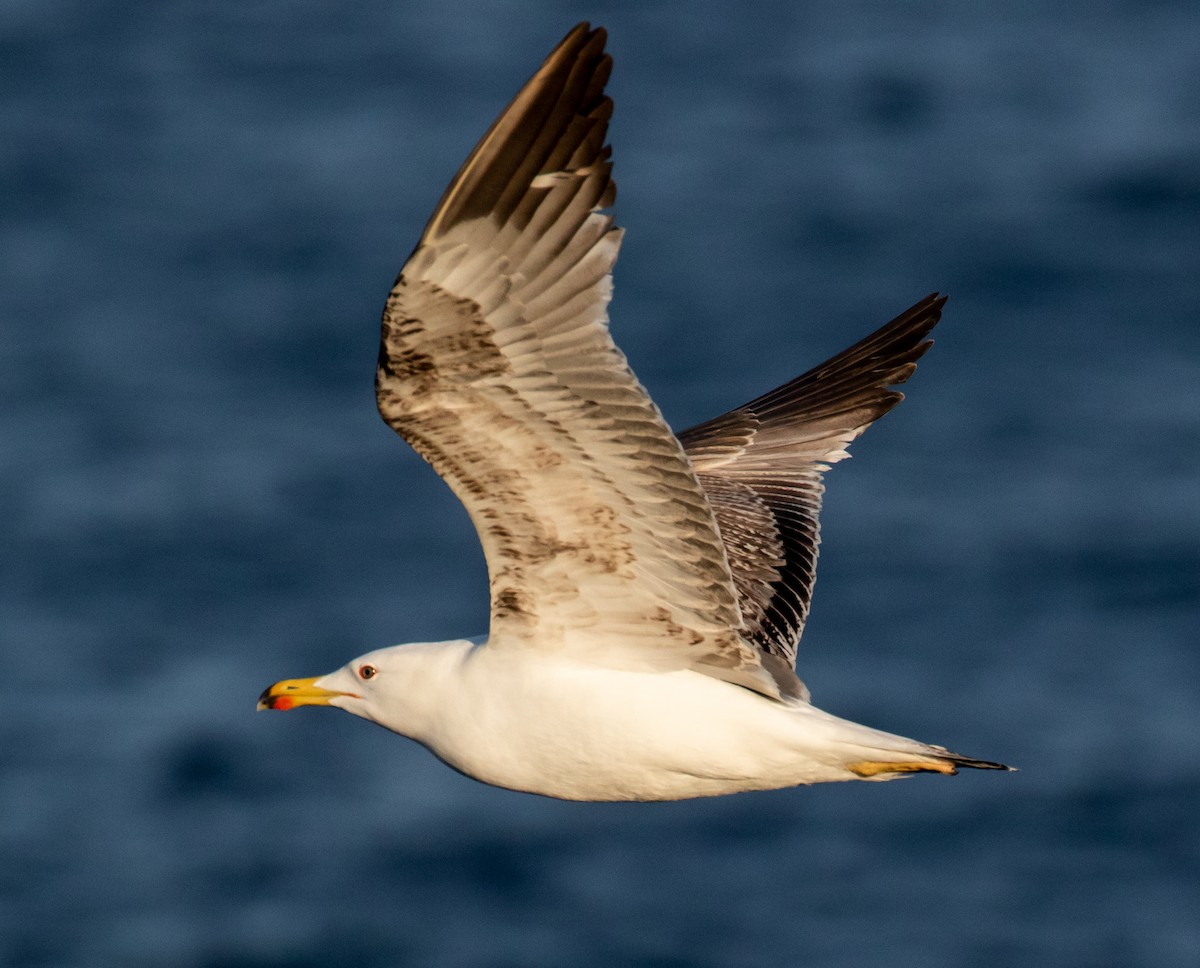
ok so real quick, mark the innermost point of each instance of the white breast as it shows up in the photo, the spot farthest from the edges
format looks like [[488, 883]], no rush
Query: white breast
[[547, 725]]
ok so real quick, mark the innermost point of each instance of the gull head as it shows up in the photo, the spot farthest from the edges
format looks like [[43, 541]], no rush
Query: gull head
[[388, 686]]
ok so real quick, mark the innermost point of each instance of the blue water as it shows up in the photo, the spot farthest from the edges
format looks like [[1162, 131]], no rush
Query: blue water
[[201, 209]]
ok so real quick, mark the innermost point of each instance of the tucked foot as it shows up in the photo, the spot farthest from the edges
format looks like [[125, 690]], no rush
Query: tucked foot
[[947, 763]]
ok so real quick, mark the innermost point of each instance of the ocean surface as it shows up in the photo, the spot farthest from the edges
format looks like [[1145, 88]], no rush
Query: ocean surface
[[202, 207]]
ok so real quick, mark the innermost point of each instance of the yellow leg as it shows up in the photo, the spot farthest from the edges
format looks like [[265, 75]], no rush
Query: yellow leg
[[866, 768]]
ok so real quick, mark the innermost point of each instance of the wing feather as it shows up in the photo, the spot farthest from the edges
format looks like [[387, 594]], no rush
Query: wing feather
[[761, 466], [497, 366]]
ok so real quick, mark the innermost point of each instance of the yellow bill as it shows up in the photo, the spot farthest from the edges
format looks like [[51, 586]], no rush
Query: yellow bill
[[297, 692]]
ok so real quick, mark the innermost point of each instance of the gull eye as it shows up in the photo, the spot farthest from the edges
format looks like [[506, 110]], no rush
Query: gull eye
[[367, 672]]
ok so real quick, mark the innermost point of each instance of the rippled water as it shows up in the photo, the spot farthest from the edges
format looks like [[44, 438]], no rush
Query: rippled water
[[201, 208]]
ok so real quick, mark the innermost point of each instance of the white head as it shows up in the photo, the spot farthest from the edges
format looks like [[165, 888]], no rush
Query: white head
[[396, 687]]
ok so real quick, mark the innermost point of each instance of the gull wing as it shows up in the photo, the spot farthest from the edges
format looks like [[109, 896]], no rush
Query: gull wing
[[497, 366], [761, 466]]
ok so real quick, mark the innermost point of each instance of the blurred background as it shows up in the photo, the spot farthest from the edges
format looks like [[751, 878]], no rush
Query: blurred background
[[202, 207]]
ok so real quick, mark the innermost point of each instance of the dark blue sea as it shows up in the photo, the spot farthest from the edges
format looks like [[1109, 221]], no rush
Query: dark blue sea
[[202, 207]]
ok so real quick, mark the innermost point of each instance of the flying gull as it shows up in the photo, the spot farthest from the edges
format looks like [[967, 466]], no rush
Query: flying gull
[[648, 590]]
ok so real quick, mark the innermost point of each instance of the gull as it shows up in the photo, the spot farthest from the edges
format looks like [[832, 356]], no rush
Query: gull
[[648, 590]]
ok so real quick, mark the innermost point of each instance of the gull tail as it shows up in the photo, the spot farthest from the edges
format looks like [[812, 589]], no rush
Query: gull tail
[[865, 753], [956, 761]]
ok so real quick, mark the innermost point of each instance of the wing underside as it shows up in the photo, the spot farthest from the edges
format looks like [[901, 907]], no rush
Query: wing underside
[[497, 366]]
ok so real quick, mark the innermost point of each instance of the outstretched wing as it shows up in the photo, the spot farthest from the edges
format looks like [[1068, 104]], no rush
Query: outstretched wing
[[497, 366], [761, 466]]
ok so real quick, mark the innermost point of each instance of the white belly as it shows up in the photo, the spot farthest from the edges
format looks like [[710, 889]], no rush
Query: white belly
[[558, 728]]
